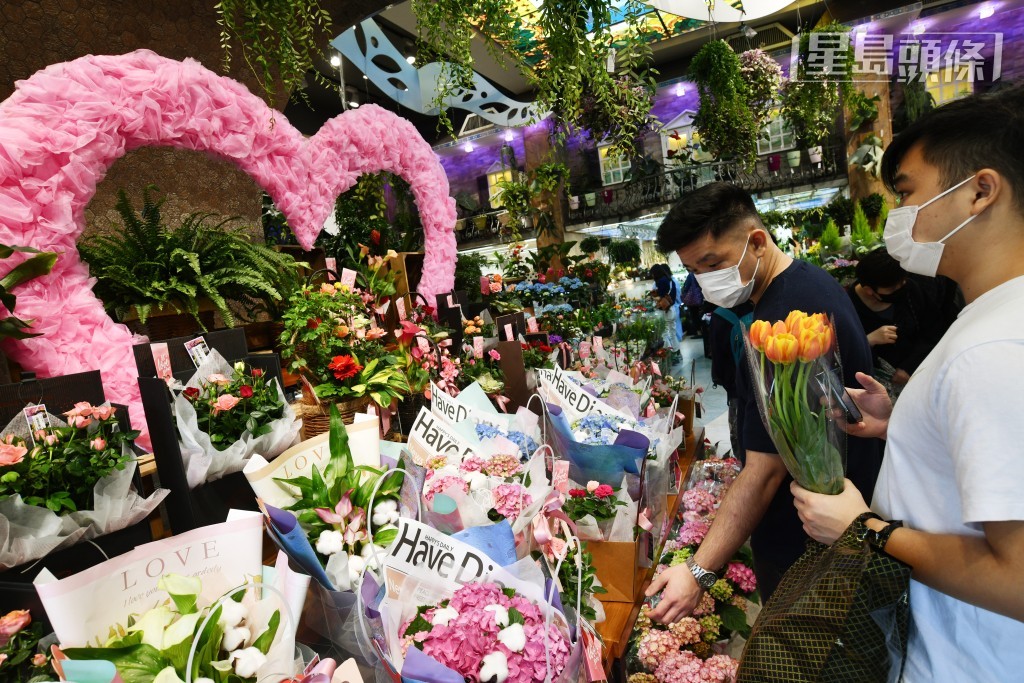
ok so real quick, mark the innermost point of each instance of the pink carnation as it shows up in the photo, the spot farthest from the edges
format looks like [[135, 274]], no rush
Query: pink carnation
[[680, 666], [743, 576], [693, 533], [655, 646], [510, 499], [439, 484]]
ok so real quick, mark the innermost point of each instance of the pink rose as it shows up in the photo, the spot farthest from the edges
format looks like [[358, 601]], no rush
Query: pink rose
[[225, 402], [592, 486], [83, 408], [50, 439], [98, 444], [103, 412], [494, 354], [12, 623], [217, 378], [495, 287], [39, 660], [81, 421], [11, 455]]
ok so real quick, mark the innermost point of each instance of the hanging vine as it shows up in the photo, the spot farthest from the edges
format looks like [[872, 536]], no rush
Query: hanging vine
[[279, 40]]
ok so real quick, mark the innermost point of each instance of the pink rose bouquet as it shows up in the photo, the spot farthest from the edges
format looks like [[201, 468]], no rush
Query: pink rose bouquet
[[228, 407]]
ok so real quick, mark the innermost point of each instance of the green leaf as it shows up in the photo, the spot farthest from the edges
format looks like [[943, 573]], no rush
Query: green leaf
[[417, 625], [266, 638], [184, 590], [135, 664], [509, 592], [734, 619], [385, 538], [40, 264], [515, 616]]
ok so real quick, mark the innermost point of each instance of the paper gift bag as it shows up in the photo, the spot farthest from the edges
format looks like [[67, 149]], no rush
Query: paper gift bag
[[617, 566]]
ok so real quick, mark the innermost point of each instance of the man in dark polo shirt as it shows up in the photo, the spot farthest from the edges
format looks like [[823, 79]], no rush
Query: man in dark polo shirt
[[718, 235]]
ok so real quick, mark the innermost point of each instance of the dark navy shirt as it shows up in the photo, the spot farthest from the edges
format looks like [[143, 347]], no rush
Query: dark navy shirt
[[779, 539]]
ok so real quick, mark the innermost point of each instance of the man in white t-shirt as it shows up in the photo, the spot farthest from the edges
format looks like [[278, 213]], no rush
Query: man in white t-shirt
[[953, 472]]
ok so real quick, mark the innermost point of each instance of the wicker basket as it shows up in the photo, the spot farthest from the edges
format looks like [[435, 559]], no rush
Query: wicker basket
[[408, 408], [316, 417]]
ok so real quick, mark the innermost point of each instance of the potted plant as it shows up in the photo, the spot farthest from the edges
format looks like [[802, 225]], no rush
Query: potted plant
[[863, 110], [763, 76], [145, 268], [624, 252], [727, 126], [810, 101], [868, 156], [793, 158], [574, 202]]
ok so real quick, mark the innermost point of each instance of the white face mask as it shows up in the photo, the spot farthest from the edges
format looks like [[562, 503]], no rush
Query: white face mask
[[916, 257], [725, 287]]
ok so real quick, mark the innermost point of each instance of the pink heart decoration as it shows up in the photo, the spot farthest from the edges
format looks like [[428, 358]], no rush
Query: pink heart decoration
[[62, 129]]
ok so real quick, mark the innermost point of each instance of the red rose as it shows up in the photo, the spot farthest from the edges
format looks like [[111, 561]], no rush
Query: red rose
[[191, 393], [375, 236], [257, 372], [344, 367], [603, 491], [577, 493], [245, 391], [313, 323]]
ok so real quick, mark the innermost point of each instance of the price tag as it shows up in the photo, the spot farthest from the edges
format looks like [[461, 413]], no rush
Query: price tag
[[422, 343], [592, 654], [508, 332], [531, 326], [584, 350], [162, 361], [560, 476], [478, 347], [400, 305], [197, 350], [37, 419], [348, 277], [451, 301], [599, 347], [332, 267]]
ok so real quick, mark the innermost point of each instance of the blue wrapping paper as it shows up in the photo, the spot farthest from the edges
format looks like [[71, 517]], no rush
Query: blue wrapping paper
[[497, 540], [592, 462], [291, 538]]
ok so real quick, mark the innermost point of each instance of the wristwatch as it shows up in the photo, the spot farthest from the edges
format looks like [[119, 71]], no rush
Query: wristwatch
[[705, 579], [878, 539]]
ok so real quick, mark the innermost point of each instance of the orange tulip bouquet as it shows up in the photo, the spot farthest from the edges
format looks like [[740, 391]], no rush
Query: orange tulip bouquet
[[792, 363]]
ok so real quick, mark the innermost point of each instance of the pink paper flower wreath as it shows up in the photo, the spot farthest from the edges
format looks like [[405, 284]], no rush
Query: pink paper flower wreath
[[63, 128]]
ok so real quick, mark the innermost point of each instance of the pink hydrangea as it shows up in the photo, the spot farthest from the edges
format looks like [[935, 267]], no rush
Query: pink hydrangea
[[472, 464], [720, 669], [743, 576], [439, 484], [681, 666], [503, 466], [510, 499], [655, 646], [705, 606], [698, 500], [687, 631], [693, 533]]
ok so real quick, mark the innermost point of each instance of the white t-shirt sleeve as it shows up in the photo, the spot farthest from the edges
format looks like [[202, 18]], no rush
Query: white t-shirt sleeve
[[979, 404]]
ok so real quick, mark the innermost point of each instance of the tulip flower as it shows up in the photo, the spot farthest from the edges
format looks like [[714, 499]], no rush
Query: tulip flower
[[759, 332], [779, 328], [794, 320], [809, 347], [782, 348]]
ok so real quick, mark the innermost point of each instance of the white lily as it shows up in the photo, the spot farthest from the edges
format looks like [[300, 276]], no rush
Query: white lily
[[152, 624], [168, 675]]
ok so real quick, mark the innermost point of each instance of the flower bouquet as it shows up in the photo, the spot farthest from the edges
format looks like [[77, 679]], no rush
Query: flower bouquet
[[20, 658], [537, 354], [596, 500], [229, 640], [485, 371], [485, 632], [796, 371], [573, 568], [331, 337], [66, 483], [227, 413]]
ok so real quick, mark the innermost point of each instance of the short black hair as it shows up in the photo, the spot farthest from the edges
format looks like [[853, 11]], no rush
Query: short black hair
[[713, 209], [660, 270], [965, 136], [879, 269]]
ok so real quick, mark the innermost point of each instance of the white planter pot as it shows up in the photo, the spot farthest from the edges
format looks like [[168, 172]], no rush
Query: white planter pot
[[793, 158], [574, 202], [814, 154]]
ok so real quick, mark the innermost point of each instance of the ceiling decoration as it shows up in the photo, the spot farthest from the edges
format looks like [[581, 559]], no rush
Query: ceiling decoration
[[369, 49], [723, 11]]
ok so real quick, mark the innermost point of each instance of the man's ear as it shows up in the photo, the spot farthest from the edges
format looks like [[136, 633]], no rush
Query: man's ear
[[989, 185], [759, 241]]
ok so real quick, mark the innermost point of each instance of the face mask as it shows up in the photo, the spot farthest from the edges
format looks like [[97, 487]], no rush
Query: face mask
[[890, 298], [725, 287], [916, 257]]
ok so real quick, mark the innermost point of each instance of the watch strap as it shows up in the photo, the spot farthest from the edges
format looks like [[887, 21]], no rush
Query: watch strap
[[876, 539]]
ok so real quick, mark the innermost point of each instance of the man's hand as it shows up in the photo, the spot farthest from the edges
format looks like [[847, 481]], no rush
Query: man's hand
[[886, 334], [826, 517], [680, 596], [900, 377], [874, 404]]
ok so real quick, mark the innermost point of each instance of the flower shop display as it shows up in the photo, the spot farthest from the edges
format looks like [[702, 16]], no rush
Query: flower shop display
[[20, 656], [570, 564], [302, 176], [797, 380], [484, 369], [225, 414], [66, 482], [596, 500], [537, 354]]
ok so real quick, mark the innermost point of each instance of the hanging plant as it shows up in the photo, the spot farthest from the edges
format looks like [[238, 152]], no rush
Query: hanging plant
[[727, 126], [763, 76], [810, 101], [863, 109], [279, 39]]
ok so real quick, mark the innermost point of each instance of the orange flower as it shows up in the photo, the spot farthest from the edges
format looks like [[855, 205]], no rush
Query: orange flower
[[780, 328], [794, 321], [782, 348], [760, 330], [810, 346], [826, 339], [497, 277], [341, 331]]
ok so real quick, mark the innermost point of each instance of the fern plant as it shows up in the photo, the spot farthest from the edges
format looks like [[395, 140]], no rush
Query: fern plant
[[145, 265]]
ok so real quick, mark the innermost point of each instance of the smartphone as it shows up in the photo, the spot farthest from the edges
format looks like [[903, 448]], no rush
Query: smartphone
[[831, 385]]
